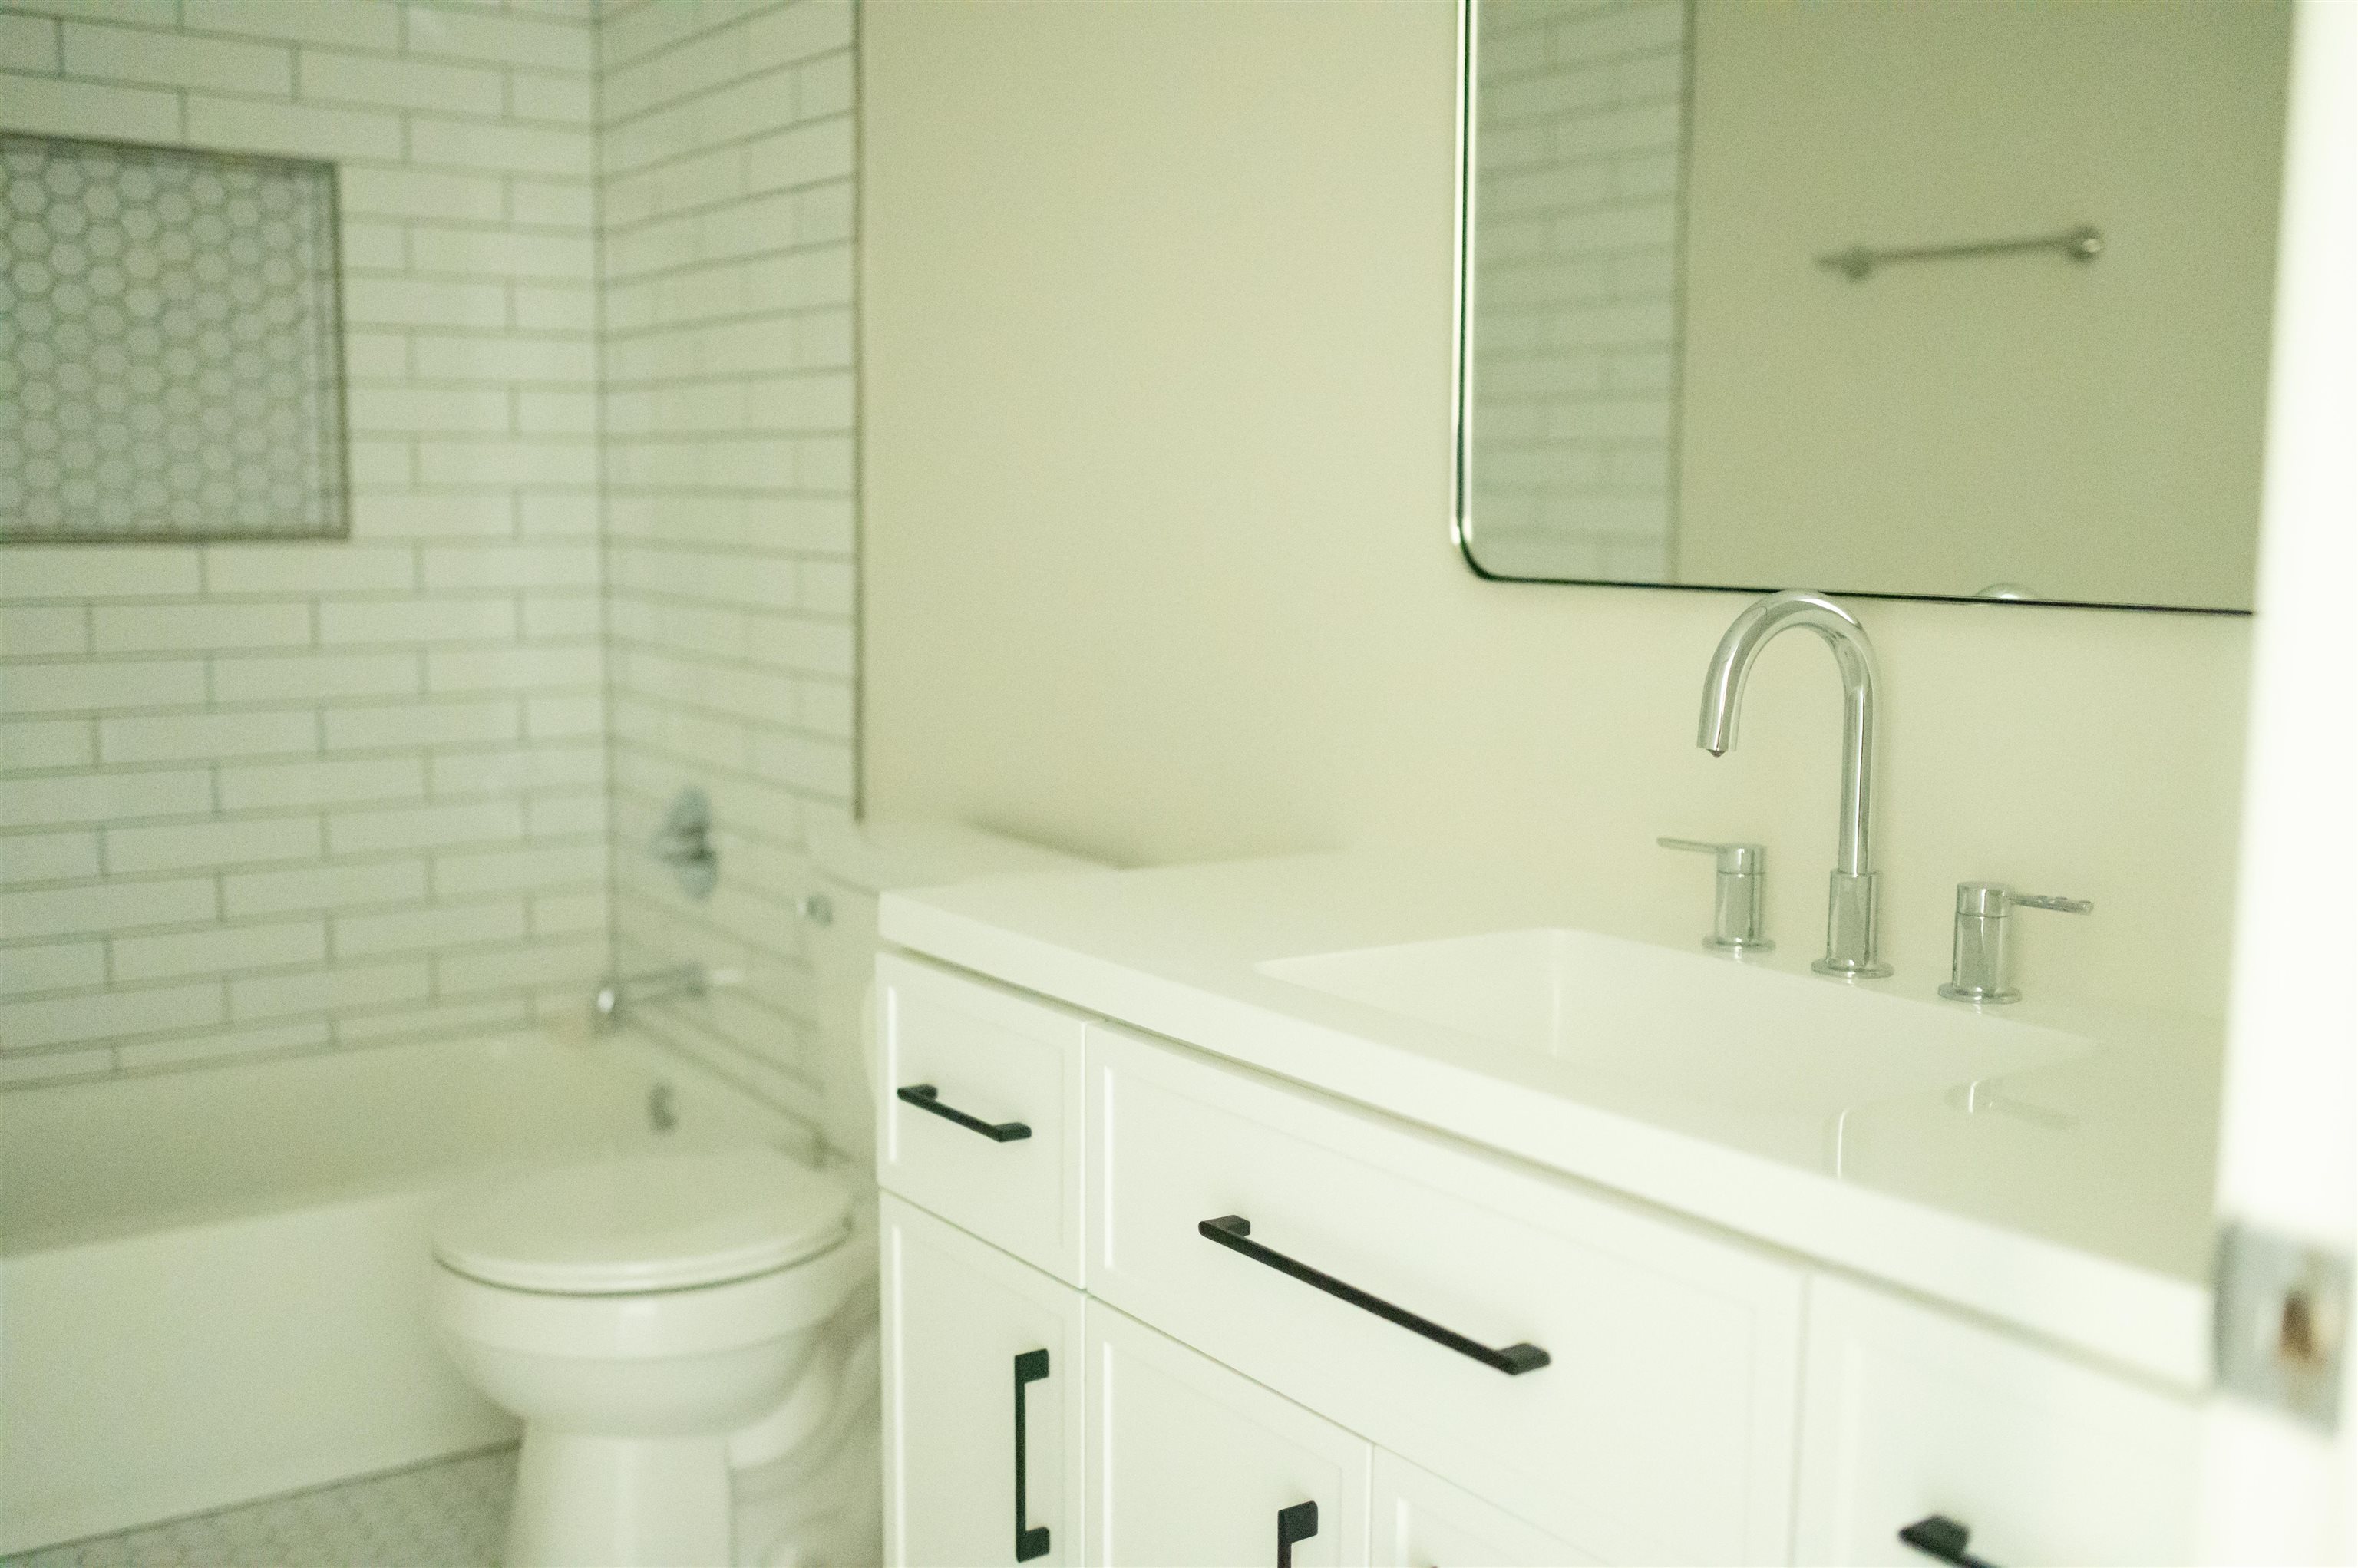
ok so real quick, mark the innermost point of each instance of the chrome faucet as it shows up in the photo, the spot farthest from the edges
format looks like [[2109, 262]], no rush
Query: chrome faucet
[[630, 990], [1850, 894]]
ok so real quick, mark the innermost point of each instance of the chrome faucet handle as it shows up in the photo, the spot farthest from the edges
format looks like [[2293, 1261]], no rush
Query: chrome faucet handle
[[1981, 958], [1733, 858], [1737, 896], [2049, 901]]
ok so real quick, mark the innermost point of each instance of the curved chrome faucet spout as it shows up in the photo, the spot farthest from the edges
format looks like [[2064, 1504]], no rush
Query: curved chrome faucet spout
[[1850, 915]]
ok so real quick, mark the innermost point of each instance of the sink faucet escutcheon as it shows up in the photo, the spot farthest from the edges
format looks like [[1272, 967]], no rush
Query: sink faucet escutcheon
[[1850, 895]]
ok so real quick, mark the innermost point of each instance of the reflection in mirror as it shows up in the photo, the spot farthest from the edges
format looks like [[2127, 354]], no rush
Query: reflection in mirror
[[1956, 301]]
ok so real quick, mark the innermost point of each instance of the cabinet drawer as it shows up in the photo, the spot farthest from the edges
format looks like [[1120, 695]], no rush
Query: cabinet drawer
[[1416, 1519], [983, 1373], [1193, 1467], [980, 1110], [1908, 1413], [1660, 1427]]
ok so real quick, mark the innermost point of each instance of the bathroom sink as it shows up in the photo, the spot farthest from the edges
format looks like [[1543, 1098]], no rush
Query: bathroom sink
[[1697, 1026]]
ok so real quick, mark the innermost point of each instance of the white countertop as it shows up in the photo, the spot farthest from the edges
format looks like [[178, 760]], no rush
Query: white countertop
[[2072, 1201]]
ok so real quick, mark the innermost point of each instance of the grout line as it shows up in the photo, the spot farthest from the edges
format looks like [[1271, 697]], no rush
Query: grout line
[[600, 240]]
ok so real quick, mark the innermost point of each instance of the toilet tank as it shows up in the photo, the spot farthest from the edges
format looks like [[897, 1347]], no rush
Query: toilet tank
[[857, 862]]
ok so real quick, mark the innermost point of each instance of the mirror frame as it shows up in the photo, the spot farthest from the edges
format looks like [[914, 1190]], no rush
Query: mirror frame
[[1461, 517]]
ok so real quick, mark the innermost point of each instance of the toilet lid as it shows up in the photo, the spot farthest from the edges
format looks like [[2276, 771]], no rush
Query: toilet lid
[[644, 1222]]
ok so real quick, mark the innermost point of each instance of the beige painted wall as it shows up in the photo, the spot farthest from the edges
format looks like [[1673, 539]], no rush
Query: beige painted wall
[[2089, 430], [1156, 333]]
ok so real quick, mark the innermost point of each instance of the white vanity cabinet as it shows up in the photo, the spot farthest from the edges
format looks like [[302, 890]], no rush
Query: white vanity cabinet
[[1313, 1334]]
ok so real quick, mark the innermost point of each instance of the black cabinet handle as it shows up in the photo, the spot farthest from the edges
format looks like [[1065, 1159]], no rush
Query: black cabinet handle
[[1032, 1541], [1232, 1231], [1299, 1522], [925, 1096], [1943, 1539]]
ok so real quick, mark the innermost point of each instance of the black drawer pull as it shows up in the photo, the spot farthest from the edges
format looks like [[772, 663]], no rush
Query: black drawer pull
[[1032, 1541], [925, 1096], [1299, 1522], [1943, 1539], [1233, 1230]]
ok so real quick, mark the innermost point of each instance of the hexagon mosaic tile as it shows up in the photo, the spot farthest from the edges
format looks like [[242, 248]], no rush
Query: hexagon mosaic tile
[[171, 362], [452, 1514]]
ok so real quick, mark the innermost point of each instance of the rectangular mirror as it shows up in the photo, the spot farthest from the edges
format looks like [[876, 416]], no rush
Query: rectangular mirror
[[1957, 300]]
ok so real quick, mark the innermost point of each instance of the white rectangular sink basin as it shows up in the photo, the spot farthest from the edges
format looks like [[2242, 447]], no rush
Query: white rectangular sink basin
[[1697, 1026]]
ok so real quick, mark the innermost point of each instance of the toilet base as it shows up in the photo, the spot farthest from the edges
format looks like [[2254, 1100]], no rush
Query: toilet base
[[592, 1500]]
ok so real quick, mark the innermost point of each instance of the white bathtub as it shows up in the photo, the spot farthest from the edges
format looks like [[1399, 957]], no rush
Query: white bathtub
[[212, 1283]]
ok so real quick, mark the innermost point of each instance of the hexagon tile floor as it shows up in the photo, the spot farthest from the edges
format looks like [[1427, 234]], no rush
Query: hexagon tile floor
[[452, 1514]]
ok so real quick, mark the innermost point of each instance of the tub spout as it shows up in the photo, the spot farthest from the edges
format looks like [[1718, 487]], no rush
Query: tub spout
[[620, 991]]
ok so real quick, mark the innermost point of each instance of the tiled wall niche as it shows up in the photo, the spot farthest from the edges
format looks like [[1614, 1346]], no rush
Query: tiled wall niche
[[725, 137], [171, 348], [287, 795]]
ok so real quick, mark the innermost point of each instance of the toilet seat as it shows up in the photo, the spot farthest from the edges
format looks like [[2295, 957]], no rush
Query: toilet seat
[[655, 1325], [635, 1223]]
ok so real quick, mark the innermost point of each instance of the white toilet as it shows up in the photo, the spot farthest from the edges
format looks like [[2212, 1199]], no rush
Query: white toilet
[[664, 1321]]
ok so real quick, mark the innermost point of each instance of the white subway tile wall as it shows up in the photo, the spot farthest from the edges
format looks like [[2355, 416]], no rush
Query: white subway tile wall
[[1578, 157], [294, 795], [725, 141]]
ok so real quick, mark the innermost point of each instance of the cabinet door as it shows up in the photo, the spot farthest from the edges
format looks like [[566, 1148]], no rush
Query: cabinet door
[[1191, 1464], [1917, 1421], [983, 1364], [1418, 1519]]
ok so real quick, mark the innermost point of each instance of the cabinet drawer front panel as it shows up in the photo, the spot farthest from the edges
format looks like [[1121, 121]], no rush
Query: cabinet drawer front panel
[[1191, 1464], [1416, 1519], [980, 1110], [1661, 1428], [1908, 1413], [956, 1315]]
